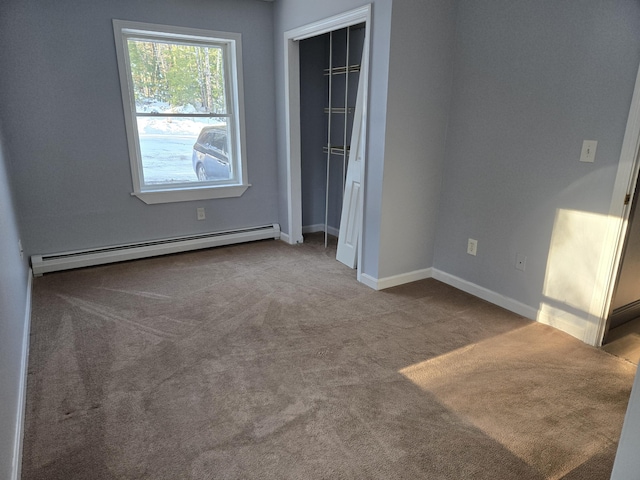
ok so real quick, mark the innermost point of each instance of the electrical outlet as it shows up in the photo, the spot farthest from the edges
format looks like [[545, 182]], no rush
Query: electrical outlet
[[201, 215], [472, 247], [521, 261]]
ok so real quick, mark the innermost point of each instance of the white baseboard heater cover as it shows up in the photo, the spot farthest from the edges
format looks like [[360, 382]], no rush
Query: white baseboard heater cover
[[98, 256]]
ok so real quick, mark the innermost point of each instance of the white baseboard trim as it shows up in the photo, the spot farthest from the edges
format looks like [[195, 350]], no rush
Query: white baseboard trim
[[285, 238], [567, 322], [22, 389], [369, 281], [562, 320], [395, 280], [319, 227], [486, 294]]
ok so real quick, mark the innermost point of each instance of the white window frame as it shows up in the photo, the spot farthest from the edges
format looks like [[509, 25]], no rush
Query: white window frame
[[231, 43]]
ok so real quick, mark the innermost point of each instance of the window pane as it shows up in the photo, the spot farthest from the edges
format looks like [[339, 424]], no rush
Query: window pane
[[177, 78], [174, 150], [212, 157], [182, 94]]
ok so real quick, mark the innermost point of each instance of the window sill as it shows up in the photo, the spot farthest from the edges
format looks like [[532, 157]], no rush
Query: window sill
[[151, 197]]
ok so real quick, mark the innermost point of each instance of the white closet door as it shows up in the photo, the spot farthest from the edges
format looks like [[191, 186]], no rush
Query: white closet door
[[351, 203]]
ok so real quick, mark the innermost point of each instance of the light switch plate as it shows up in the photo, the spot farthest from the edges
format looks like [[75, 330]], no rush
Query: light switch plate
[[588, 151]]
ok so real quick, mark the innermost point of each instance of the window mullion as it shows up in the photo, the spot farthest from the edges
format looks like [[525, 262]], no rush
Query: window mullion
[[184, 115]]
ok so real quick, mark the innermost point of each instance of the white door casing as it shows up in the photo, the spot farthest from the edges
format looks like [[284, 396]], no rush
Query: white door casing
[[617, 224]]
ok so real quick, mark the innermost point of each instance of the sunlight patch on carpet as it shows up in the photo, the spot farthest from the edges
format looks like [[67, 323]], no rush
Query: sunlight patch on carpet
[[508, 381]]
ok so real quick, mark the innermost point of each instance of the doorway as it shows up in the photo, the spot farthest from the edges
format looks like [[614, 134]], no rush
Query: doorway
[[293, 111], [330, 67], [618, 235], [622, 336]]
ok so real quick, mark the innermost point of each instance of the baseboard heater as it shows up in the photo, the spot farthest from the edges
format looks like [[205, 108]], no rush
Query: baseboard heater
[[98, 256]]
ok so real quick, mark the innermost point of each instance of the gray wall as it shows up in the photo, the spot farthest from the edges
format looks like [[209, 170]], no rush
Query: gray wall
[[13, 302], [532, 80], [64, 122], [420, 78]]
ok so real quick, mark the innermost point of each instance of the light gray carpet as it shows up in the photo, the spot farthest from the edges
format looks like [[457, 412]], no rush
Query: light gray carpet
[[267, 361]]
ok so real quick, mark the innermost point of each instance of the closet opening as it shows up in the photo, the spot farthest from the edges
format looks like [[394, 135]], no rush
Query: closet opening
[[326, 90], [330, 67]]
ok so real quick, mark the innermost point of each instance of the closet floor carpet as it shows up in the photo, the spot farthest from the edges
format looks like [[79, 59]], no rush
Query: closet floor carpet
[[269, 361]]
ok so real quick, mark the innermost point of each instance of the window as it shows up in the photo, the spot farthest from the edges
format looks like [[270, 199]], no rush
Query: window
[[183, 102]]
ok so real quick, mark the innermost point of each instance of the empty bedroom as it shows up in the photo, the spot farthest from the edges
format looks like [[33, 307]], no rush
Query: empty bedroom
[[288, 239]]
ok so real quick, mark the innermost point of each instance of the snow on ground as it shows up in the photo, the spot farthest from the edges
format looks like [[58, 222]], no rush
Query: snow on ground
[[171, 126], [166, 143], [167, 159]]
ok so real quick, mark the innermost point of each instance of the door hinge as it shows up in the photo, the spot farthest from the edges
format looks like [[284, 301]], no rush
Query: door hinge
[[627, 198]]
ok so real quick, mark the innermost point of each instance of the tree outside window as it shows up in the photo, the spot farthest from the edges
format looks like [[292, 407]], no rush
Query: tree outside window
[[179, 87]]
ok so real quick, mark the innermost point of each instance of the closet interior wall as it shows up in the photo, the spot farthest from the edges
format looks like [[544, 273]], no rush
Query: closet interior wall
[[324, 121]]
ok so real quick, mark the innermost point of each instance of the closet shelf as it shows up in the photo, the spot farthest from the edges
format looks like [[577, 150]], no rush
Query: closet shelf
[[339, 110], [337, 149], [341, 70]]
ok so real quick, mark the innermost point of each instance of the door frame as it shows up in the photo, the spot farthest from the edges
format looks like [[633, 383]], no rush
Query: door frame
[[617, 224], [292, 110]]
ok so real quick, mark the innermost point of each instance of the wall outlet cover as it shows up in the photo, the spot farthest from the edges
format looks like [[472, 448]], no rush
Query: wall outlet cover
[[472, 247]]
